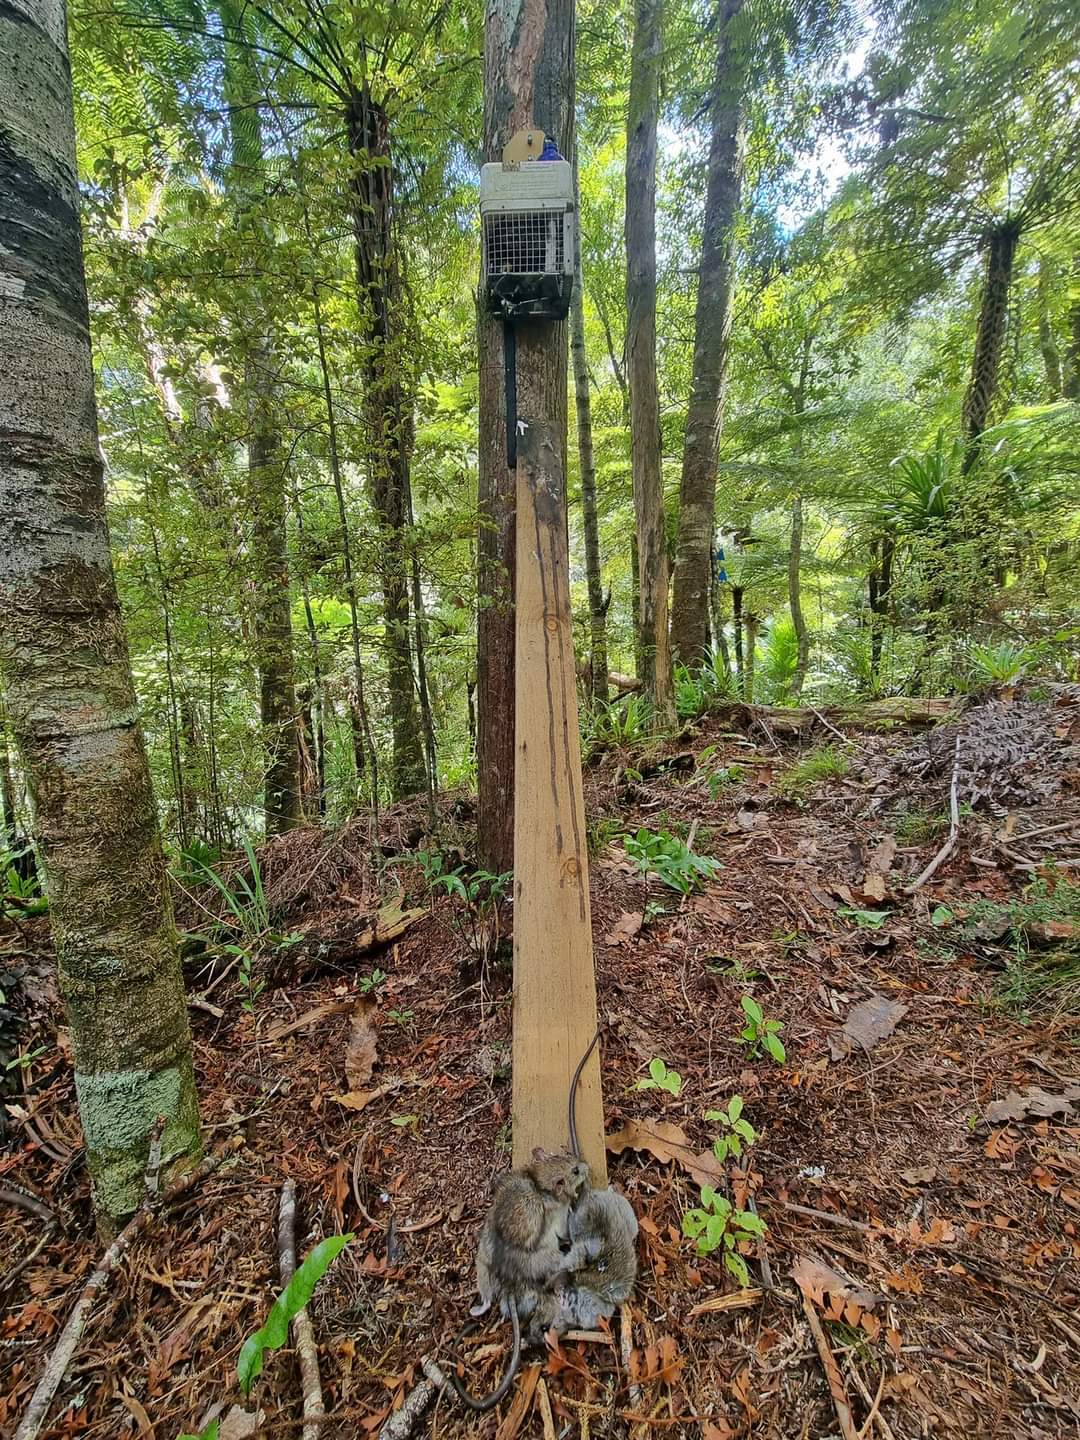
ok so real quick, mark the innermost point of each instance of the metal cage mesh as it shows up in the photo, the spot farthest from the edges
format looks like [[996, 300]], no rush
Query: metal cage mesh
[[524, 242]]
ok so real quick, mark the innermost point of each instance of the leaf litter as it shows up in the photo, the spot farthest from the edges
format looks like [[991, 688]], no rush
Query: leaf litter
[[881, 1173]]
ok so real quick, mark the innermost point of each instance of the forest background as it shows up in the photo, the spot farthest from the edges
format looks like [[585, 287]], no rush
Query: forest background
[[281, 238]]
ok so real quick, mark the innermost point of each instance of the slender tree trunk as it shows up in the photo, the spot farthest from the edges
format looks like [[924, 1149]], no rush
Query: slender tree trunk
[[641, 355], [266, 464], [1047, 339], [359, 727], [752, 623], [712, 332], [528, 55], [1071, 375], [387, 408], [737, 617], [798, 619], [64, 655], [989, 337], [879, 584], [427, 720], [587, 464], [9, 825]]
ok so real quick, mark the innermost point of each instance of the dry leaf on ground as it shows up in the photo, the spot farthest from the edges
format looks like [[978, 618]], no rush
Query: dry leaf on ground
[[667, 1142], [361, 1051], [835, 1296], [867, 1023], [1034, 1100], [878, 865], [625, 928]]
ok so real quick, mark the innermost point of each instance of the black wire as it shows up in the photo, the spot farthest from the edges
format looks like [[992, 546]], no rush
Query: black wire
[[510, 364]]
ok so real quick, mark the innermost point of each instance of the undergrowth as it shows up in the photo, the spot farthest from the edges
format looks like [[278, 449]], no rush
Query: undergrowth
[[827, 762], [1043, 939]]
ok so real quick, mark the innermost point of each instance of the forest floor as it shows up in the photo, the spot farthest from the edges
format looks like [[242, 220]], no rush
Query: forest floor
[[917, 1161]]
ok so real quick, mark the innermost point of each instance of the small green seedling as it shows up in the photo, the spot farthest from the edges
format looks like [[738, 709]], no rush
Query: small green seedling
[[372, 982], [740, 1134], [717, 1225], [24, 1060], [403, 1018], [941, 915], [760, 1034], [656, 852], [660, 1078], [405, 1122]]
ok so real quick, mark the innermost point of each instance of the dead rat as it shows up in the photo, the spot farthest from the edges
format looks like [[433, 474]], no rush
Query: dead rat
[[519, 1249], [603, 1223]]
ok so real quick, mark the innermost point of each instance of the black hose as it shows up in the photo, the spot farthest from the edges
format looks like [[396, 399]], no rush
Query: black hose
[[510, 365]]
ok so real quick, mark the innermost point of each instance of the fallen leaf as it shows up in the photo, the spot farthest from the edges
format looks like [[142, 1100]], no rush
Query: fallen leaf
[[1033, 1101], [879, 864], [868, 1023], [817, 1281], [1002, 1144], [716, 1430], [666, 1142], [361, 1099], [624, 929], [920, 1176], [239, 1423], [361, 1051]]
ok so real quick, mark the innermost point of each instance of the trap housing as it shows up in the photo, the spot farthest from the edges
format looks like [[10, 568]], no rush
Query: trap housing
[[527, 221]]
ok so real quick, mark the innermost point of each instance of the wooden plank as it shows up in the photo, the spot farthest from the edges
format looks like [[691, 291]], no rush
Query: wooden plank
[[554, 978]]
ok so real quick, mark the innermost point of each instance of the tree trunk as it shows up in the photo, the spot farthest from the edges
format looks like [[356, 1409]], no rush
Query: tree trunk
[[388, 413], [587, 463], [266, 464], [1047, 339], [1071, 377], [737, 618], [798, 619], [641, 356], [752, 623], [989, 337], [528, 55], [879, 585], [712, 332], [64, 653], [9, 825]]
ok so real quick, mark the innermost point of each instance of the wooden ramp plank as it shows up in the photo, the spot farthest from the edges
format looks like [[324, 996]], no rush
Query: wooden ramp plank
[[554, 978]]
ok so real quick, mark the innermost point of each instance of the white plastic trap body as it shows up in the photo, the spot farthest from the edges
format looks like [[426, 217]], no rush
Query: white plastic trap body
[[527, 218]]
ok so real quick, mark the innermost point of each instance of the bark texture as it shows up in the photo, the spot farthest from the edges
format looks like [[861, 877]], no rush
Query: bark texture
[[528, 80], [63, 650], [989, 336], [712, 333], [266, 468], [598, 681], [388, 413], [641, 357]]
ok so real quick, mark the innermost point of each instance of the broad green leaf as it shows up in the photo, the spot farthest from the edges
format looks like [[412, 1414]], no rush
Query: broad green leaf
[[751, 1009], [735, 1108], [273, 1333], [775, 1048], [657, 1069], [208, 1432]]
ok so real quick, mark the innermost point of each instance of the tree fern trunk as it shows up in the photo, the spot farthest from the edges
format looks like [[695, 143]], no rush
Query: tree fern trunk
[[64, 656], [989, 336]]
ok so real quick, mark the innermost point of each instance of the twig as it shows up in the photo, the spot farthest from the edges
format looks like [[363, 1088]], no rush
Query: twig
[[875, 1413], [1045, 830], [626, 1347], [874, 1407], [954, 828], [838, 733], [57, 1366], [303, 1330], [827, 1216], [763, 1254], [841, 1404], [400, 1424], [23, 1200], [9, 1278]]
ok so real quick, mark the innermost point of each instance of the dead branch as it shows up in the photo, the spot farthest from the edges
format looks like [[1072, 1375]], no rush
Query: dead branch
[[57, 1367], [841, 1404], [954, 827], [401, 1423], [303, 1330]]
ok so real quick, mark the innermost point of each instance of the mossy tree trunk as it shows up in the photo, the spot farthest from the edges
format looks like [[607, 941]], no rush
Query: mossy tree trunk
[[989, 335], [645, 447], [64, 655]]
